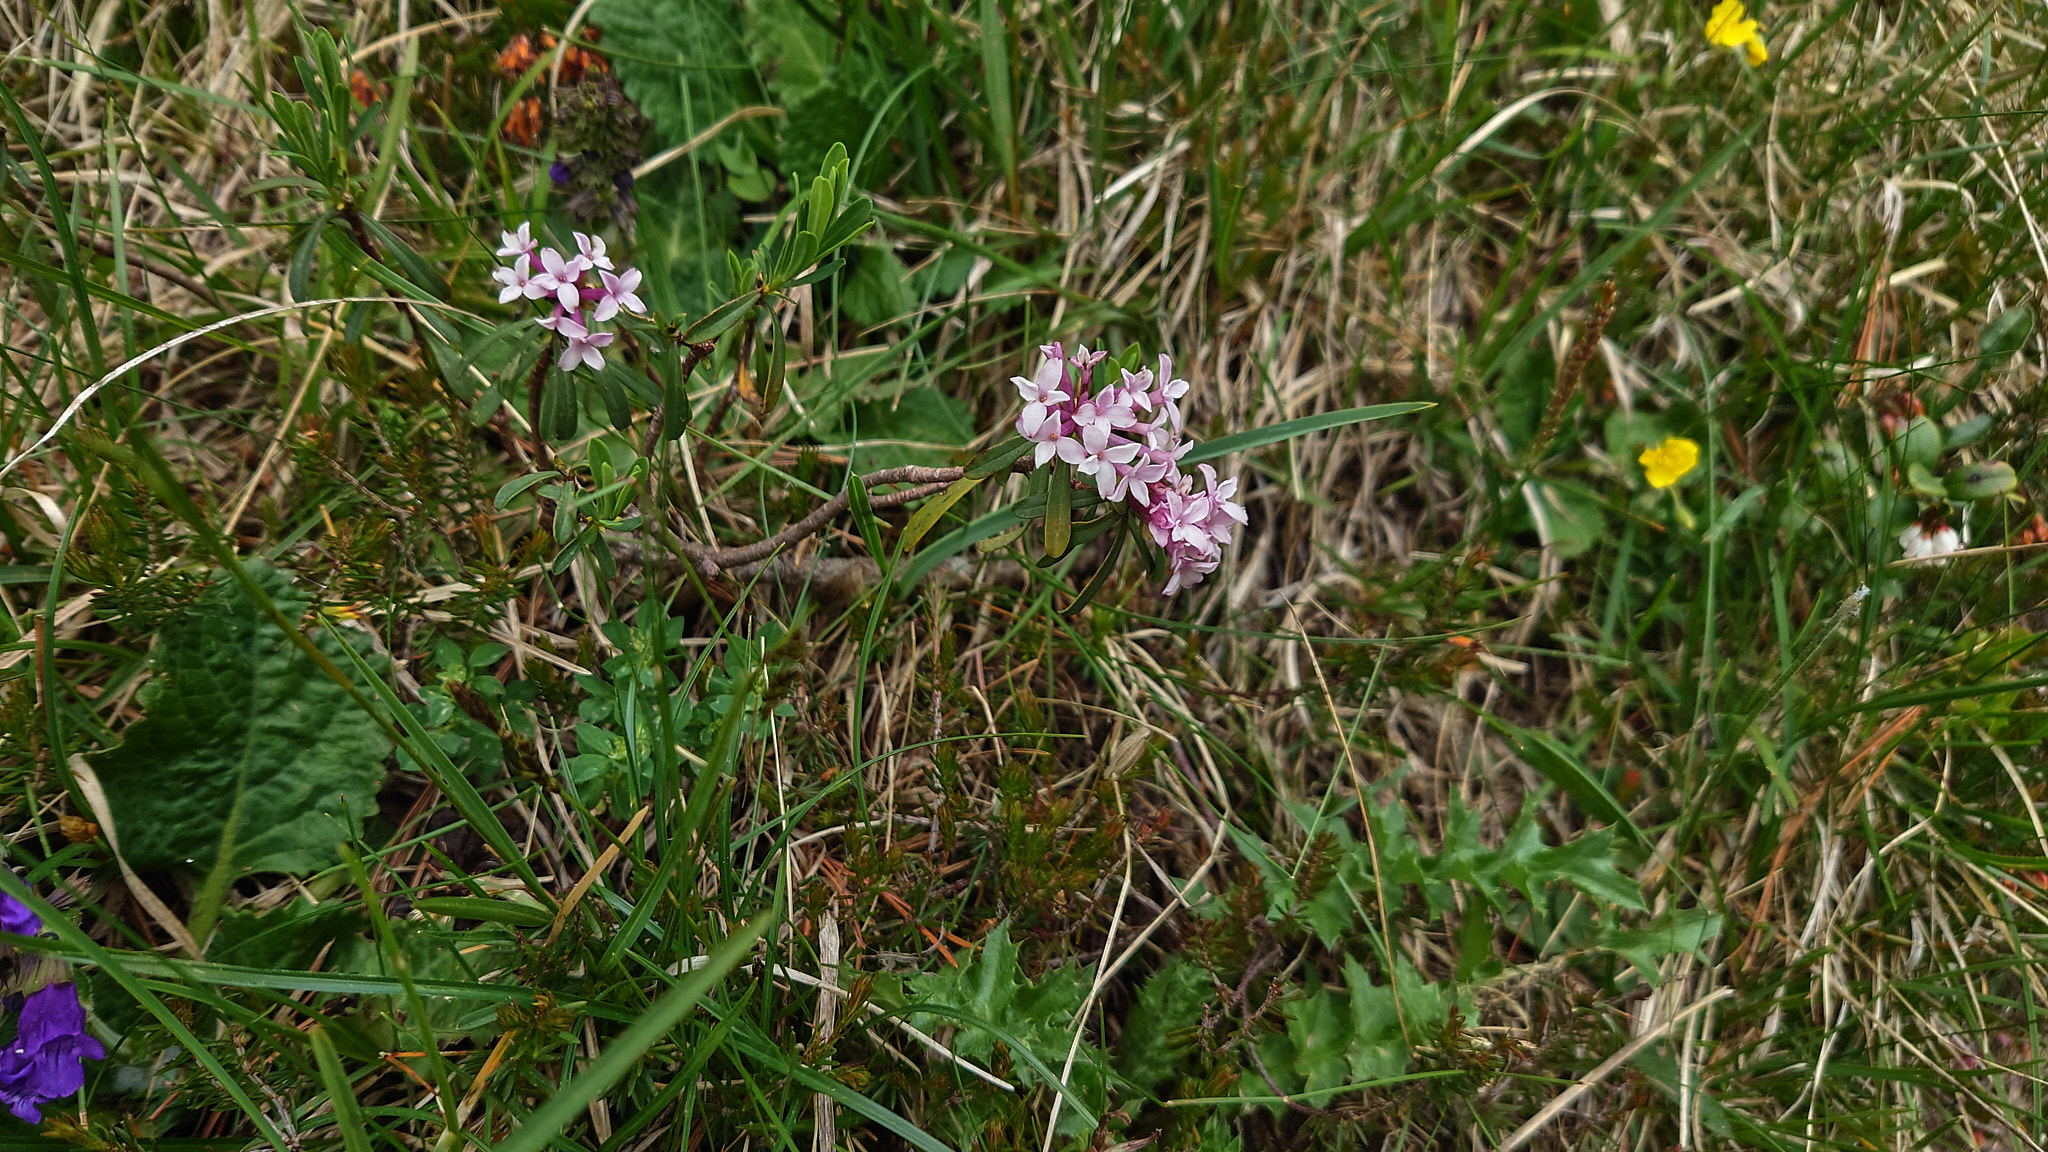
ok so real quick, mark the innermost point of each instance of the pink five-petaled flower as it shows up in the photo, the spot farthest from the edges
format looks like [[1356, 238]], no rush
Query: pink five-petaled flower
[[519, 280], [591, 248], [561, 277], [617, 295], [518, 243], [582, 347], [1094, 455]]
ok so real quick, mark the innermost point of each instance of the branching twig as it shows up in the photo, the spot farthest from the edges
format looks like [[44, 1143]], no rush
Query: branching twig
[[929, 481], [157, 268]]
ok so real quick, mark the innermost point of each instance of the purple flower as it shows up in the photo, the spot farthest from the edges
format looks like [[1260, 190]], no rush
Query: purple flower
[[617, 295], [1225, 515], [1136, 479], [582, 347], [15, 917], [558, 172], [1170, 389], [45, 1061]]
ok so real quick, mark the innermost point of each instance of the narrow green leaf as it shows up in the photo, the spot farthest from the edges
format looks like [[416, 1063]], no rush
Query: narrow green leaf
[[996, 459], [995, 79], [618, 1058], [435, 765], [411, 263], [1102, 570], [1287, 429], [348, 1115], [713, 324], [486, 909], [1059, 512], [299, 277], [928, 514], [864, 515], [1563, 769], [512, 489], [69, 933]]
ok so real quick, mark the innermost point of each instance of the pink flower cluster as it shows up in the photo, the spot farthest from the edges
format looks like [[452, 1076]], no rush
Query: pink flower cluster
[[568, 283], [1131, 458]]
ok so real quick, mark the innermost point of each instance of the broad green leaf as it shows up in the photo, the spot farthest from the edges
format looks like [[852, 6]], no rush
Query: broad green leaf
[[1687, 930], [1162, 1020], [1980, 481], [1587, 863], [2006, 334], [1287, 429], [917, 426], [1319, 1028], [246, 745]]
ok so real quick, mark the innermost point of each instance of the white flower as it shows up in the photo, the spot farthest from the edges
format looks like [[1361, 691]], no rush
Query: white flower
[[518, 280], [1922, 543], [591, 249], [518, 243]]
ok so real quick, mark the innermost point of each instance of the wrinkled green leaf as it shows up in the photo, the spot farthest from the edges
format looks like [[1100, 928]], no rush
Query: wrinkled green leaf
[[246, 743]]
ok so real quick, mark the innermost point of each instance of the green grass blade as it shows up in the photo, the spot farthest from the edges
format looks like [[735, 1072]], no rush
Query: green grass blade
[[621, 1054], [1287, 429]]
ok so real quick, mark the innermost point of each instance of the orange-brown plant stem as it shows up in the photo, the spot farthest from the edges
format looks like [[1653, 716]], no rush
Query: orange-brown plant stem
[[1574, 367]]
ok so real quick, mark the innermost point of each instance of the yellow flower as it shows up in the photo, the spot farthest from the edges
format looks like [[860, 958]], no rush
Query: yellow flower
[[1728, 27], [1667, 463]]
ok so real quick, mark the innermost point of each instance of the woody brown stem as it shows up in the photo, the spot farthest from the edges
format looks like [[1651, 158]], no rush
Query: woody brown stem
[[929, 481]]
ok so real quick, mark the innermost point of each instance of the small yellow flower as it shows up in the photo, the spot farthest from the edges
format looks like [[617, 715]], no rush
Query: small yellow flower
[[1666, 463], [1729, 27]]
